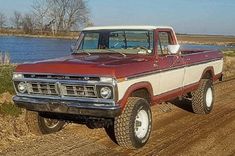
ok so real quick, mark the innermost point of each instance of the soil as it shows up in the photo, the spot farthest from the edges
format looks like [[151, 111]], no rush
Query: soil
[[176, 131]]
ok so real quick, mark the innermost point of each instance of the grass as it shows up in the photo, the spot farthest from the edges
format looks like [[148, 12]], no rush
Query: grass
[[207, 39], [6, 72], [230, 53], [10, 109], [6, 85]]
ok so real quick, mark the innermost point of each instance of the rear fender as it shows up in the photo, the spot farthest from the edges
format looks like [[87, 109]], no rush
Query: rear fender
[[209, 70]]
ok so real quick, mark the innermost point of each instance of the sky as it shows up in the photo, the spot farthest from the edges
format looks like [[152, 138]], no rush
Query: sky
[[185, 16]]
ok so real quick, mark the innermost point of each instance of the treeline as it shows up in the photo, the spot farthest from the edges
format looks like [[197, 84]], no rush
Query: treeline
[[49, 16]]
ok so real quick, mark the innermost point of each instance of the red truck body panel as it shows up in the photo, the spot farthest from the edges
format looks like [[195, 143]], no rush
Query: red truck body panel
[[97, 64], [115, 65]]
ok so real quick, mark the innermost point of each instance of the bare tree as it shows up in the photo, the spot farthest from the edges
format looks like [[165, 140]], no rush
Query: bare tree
[[17, 20], [77, 14], [40, 9], [28, 23], [57, 12], [3, 20], [62, 15]]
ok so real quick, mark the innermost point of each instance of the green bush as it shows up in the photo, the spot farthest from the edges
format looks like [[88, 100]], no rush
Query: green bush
[[10, 109], [6, 84]]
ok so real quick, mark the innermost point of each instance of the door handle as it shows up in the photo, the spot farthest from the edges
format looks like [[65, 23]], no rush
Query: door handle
[[155, 64], [177, 61]]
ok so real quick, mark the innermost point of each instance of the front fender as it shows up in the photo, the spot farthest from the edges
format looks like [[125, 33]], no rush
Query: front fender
[[134, 87]]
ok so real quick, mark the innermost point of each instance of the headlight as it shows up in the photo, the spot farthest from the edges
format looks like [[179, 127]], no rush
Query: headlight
[[22, 87], [18, 76], [105, 92]]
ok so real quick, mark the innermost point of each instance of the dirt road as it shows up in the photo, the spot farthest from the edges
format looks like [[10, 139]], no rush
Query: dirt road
[[176, 131]]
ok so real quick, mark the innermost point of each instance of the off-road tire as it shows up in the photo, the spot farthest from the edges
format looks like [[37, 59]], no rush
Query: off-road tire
[[124, 125], [199, 102], [36, 124]]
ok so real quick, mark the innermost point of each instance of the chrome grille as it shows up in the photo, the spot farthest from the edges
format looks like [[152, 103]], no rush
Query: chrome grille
[[58, 89], [42, 88], [79, 90]]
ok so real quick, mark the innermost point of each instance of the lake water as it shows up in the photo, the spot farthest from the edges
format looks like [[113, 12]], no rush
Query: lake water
[[23, 49]]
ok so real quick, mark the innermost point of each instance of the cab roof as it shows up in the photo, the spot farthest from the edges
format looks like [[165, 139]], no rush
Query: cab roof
[[129, 27]]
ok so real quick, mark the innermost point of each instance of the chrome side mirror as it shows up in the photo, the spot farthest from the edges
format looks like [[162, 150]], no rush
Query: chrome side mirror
[[173, 49]]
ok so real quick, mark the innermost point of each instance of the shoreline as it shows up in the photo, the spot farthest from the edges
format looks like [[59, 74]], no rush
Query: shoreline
[[217, 40], [39, 36]]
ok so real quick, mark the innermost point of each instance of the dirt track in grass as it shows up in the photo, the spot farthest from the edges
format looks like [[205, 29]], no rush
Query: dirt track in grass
[[176, 131]]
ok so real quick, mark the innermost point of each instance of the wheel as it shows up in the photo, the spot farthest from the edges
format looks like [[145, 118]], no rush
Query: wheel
[[38, 124], [203, 97], [133, 127]]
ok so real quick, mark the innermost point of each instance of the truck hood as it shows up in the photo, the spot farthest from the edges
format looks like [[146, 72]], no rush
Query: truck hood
[[95, 64]]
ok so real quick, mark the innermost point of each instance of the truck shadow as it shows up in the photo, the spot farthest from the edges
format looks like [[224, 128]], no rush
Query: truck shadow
[[184, 104]]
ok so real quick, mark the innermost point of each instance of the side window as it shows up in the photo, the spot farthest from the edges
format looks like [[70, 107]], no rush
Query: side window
[[164, 39], [90, 41]]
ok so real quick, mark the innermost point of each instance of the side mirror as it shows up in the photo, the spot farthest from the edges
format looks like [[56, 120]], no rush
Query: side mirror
[[173, 49]]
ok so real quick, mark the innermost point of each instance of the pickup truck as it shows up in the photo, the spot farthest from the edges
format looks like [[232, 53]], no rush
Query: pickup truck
[[112, 78]]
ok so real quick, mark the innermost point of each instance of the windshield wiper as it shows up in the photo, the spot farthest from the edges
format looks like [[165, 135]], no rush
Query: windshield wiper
[[116, 52]]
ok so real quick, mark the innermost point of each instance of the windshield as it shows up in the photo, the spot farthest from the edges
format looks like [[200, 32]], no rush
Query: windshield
[[121, 41]]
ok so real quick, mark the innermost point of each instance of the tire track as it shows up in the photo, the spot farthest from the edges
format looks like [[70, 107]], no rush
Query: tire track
[[196, 134], [170, 140]]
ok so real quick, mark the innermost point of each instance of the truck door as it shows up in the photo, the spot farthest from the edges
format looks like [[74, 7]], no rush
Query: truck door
[[171, 66]]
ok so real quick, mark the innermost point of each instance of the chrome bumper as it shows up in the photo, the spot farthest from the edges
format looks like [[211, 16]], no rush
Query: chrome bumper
[[67, 107]]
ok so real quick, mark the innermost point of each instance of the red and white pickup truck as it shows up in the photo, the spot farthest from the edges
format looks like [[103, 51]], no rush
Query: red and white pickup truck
[[111, 79]]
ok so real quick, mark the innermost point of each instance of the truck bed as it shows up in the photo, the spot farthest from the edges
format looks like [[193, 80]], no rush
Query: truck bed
[[196, 51]]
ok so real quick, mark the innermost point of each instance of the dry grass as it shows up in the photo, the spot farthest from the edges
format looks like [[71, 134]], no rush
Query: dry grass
[[229, 53], [206, 39], [229, 66], [5, 58], [11, 129]]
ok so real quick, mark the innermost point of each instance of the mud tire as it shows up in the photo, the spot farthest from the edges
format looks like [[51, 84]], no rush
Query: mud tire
[[203, 97], [125, 126], [37, 124]]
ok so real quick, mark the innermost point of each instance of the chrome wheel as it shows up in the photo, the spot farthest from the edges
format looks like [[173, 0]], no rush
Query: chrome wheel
[[51, 123]]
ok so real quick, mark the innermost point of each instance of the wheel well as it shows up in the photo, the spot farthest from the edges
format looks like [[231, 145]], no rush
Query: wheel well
[[142, 93], [207, 75]]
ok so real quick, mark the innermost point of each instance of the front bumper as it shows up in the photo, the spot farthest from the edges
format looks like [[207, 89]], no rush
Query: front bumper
[[67, 107]]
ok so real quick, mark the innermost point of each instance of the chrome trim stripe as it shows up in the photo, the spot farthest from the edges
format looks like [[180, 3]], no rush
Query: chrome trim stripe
[[169, 69], [61, 74], [201, 52], [204, 62], [55, 81], [87, 100]]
